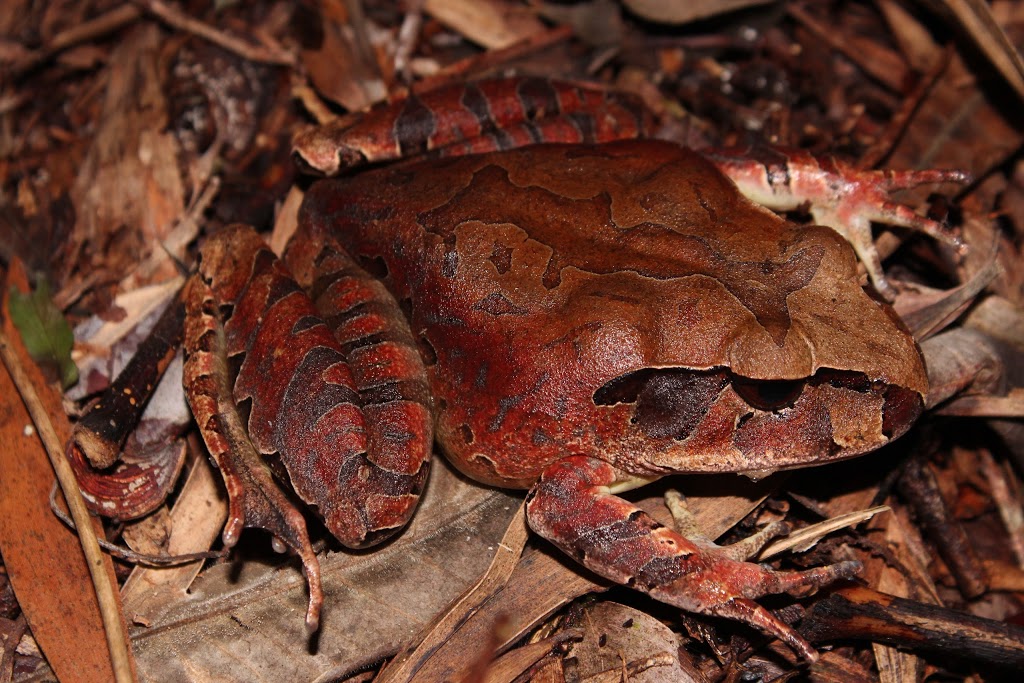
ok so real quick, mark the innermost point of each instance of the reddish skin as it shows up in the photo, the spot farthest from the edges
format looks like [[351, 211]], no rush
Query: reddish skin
[[503, 114], [586, 314], [336, 388], [467, 118], [547, 288], [841, 196]]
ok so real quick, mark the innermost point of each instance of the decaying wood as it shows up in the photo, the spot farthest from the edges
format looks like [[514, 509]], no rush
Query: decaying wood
[[101, 432], [918, 486], [863, 613]]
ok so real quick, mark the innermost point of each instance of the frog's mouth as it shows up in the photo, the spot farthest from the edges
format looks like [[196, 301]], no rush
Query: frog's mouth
[[716, 420]]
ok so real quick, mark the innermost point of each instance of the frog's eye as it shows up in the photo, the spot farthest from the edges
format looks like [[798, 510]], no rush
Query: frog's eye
[[768, 395], [669, 402]]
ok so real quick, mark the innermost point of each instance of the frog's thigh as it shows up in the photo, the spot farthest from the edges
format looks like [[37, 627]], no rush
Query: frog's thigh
[[571, 506]]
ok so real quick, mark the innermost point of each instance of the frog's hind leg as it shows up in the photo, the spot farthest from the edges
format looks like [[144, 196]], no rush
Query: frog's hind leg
[[254, 498], [572, 507], [343, 410], [388, 373]]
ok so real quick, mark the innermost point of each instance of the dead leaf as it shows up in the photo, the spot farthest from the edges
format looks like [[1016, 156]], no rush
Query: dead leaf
[[43, 558], [622, 643], [195, 523], [247, 615], [685, 11], [494, 24], [545, 580]]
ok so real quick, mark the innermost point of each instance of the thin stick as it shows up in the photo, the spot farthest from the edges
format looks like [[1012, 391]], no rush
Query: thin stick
[[129, 555], [80, 33], [176, 19], [117, 640]]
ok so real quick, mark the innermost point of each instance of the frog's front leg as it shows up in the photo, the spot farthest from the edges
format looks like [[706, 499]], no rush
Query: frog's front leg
[[573, 507], [844, 198]]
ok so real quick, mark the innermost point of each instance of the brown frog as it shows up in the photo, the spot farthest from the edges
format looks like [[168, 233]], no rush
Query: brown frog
[[575, 319], [589, 318]]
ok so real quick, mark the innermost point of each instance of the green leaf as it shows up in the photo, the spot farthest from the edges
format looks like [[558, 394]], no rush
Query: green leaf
[[44, 331]]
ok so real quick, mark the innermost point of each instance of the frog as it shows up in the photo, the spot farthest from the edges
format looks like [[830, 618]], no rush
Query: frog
[[565, 306]]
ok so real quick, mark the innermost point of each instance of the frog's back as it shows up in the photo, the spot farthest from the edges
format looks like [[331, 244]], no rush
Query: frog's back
[[600, 299]]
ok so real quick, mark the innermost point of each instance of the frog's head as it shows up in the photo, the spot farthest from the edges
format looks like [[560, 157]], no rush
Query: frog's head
[[825, 373], [716, 420]]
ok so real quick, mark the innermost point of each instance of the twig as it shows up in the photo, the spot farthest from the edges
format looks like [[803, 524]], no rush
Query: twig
[[466, 68], [17, 630], [1002, 488], [863, 614], [129, 555], [94, 28], [920, 487], [117, 640], [887, 72], [254, 53], [409, 660], [408, 35], [900, 121]]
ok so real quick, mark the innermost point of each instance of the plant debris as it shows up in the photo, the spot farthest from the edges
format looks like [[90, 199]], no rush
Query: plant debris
[[131, 130]]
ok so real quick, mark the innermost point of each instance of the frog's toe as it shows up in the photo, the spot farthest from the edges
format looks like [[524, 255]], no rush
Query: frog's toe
[[686, 524], [803, 583], [748, 547], [748, 611], [727, 588]]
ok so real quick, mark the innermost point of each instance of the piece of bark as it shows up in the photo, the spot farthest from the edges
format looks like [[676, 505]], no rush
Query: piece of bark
[[862, 613], [919, 486]]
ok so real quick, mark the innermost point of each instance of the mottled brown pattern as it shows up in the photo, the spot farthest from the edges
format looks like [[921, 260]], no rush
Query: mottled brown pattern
[[659, 264], [582, 317]]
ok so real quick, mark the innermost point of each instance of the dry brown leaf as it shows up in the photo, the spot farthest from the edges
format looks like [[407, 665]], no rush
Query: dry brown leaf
[[493, 24], [247, 615], [622, 643], [956, 127], [195, 522], [929, 311], [895, 666], [404, 666], [1000, 319], [1011, 405], [975, 18], [685, 11], [130, 174], [545, 580], [43, 558], [344, 50], [522, 660]]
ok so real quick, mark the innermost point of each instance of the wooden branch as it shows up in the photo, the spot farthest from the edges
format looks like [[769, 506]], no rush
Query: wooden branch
[[861, 613]]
